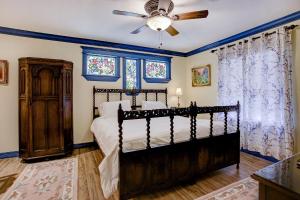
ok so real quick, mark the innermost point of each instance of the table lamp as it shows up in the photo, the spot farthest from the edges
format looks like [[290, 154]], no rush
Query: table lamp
[[178, 94]]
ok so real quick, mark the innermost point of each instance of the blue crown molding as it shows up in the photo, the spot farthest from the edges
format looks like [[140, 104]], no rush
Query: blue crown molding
[[76, 40], [275, 23]]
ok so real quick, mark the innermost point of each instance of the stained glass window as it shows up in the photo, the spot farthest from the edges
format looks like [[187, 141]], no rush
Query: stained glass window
[[101, 65], [132, 79], [156, 71]]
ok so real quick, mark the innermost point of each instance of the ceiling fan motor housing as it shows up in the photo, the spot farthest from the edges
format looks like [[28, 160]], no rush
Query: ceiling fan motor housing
[[151, 7]]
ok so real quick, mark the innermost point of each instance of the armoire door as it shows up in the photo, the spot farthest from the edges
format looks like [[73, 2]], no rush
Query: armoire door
[[46, 113]]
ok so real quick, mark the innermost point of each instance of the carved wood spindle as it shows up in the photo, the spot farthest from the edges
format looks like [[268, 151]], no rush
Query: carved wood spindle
[[211, 124], [148, 132], [134, 101], [225, 122], [120, 121], [172, 127], [166, 97], [238, 116], [94, 102], [192, 121], [195, 118]]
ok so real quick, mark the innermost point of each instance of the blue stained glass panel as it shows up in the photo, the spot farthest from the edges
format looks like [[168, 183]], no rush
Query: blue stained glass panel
[[101, 65], [131, 74], [156, 69]]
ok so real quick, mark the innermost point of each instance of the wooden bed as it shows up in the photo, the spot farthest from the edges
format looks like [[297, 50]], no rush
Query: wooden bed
[[153, 168]]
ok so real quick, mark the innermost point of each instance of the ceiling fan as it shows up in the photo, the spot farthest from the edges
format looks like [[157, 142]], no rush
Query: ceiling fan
[[158, 18]]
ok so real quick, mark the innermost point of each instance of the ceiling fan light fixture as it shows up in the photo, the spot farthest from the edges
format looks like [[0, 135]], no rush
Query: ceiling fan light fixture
[[159, 22]]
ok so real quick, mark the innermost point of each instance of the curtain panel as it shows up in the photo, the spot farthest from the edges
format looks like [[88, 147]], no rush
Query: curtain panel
[[259, 74]]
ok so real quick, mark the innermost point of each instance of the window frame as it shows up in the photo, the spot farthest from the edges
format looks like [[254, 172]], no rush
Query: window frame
[[158, 80], [100, 53], [118, 54], [138, 71]]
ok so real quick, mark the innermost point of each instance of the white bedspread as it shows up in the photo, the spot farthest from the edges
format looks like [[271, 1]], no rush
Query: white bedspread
[[134, 137]]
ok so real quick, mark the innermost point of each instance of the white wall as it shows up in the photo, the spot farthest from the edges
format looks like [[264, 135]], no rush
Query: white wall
[[12, 48]]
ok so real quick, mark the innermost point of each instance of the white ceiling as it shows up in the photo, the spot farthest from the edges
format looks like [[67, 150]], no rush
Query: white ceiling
[[93, 19]]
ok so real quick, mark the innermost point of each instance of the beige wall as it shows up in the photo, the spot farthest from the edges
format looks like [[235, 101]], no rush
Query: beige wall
[[12, 48]]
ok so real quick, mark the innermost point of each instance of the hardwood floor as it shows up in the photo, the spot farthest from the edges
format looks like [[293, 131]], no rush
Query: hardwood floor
[[89, 179]]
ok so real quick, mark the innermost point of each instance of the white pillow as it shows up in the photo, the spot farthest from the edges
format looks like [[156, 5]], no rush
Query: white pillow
[[110, 109], [151, 105]]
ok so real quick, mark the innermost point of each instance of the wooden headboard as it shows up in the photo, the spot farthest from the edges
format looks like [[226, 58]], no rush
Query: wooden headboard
[[133, 94]]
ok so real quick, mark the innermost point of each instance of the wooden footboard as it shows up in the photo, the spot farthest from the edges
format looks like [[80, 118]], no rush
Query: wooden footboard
[[153, 168]]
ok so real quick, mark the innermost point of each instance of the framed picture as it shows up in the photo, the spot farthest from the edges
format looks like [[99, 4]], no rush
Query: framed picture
[[3, 72], [201, 76]]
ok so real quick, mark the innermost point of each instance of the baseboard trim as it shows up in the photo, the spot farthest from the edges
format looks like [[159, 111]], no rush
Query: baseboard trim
[[13, 154], [84, 145], [259, 155], [10, 154]]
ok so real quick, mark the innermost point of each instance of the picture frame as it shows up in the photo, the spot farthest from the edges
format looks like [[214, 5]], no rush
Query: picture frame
[[3, 72], [201, 76]]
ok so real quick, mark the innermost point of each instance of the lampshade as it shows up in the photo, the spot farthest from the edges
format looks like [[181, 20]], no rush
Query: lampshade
[[178, 92], [159, 22]]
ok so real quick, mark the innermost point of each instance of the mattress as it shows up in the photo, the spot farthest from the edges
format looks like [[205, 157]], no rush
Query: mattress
[[106, 132]]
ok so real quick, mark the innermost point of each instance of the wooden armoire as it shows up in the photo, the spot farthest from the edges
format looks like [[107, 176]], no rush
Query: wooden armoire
[[45, 108]]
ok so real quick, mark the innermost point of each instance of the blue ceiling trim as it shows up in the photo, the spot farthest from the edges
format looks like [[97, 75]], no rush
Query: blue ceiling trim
[[62, 38], [253, 31]]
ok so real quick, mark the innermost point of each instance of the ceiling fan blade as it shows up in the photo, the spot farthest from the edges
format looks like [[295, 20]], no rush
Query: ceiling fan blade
[[191, 15], [164, 5], [172, 31], [138, 30], [132, 14]]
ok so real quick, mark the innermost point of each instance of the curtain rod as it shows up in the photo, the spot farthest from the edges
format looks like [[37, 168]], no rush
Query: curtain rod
[[291, 27]]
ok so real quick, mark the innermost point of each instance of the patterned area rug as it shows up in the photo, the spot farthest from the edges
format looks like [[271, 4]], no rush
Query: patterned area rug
[[53, 180], [246, 189]]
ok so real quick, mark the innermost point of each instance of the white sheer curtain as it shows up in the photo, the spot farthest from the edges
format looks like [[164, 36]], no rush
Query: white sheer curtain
[[258, 73]]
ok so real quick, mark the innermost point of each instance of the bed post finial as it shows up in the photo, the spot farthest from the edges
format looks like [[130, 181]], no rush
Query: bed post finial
[[120, 121]]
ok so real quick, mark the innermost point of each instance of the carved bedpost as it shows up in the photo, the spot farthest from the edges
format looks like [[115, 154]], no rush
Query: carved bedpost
[[167, 97], [107, 96], [225, 122], [211, 124], [148, 132], [195, 117], [172, 126], [120, 122], [238, 116], [193, 114], [94, 112]]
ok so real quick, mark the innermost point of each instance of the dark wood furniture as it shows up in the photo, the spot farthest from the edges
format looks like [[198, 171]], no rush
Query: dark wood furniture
[[146, 170], [45, 108], [280, 181]]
